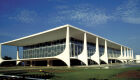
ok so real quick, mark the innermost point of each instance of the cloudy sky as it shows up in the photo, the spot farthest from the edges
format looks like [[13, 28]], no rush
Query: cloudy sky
[[117, 20]]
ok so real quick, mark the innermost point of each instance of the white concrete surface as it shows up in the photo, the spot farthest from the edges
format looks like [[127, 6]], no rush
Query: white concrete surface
[[137, 58]]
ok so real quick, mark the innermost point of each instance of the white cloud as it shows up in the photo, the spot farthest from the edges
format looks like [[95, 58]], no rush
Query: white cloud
[[88, 15], [84, 14], [24, 16], [7, 34], [129, 12], [132, 20]]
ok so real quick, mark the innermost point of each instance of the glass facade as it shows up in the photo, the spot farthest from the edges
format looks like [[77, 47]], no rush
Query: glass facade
[[113, 52], [53, 48], [122, 51], [91, 49], [76, 47], [46, 49], [101, 50]]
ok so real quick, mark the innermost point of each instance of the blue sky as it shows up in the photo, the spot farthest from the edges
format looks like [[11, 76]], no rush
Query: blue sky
[[117, 20]]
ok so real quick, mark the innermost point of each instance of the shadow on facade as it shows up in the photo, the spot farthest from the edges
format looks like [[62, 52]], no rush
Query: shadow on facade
[[76, 62], [102, 62], [114, 61], [8, 63], [45, 63], [91, 62], [35, 63], [58, 63]]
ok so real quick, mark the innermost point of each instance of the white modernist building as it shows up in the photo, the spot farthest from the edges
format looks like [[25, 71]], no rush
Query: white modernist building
[[137, 58], [70, 45]]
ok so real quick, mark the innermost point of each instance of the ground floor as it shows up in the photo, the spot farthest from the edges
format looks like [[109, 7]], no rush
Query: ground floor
[[57, 62], [102, 72]]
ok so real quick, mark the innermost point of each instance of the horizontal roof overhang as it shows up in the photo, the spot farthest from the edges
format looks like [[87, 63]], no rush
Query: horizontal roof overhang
[[59, 33], [45, 36]]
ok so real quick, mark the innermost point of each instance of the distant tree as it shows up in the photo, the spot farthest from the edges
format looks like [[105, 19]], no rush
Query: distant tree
[[7, 58]]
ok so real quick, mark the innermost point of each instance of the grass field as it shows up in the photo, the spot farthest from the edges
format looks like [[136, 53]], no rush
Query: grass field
[[74, 73]]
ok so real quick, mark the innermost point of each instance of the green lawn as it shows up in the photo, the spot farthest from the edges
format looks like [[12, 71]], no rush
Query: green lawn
[[74, 73], [91, 73]]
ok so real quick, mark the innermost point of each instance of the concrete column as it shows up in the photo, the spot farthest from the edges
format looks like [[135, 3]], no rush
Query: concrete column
[[115, 61], [121, 52], [106, 54], [1, 60], [68, 45], [104, 57], [105, 47], [111, 61], [49, 63], [122, 55], [85, 49], [127, 53], [84, 55], [96, 57], [31, 63], [65, 55], [17, 52], [0, 51], [97, 51], [132, 54], [17, 62], [67, 49], [124, 52]]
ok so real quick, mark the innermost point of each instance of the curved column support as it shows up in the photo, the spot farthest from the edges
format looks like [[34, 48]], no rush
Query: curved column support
[[65, 56], [1, 60], [96, 57], [17, 62], [121, 57], [83, 56], [132, 54], [124, 53], [130, 57], [122, 61], [104, 57], [128, 53]]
